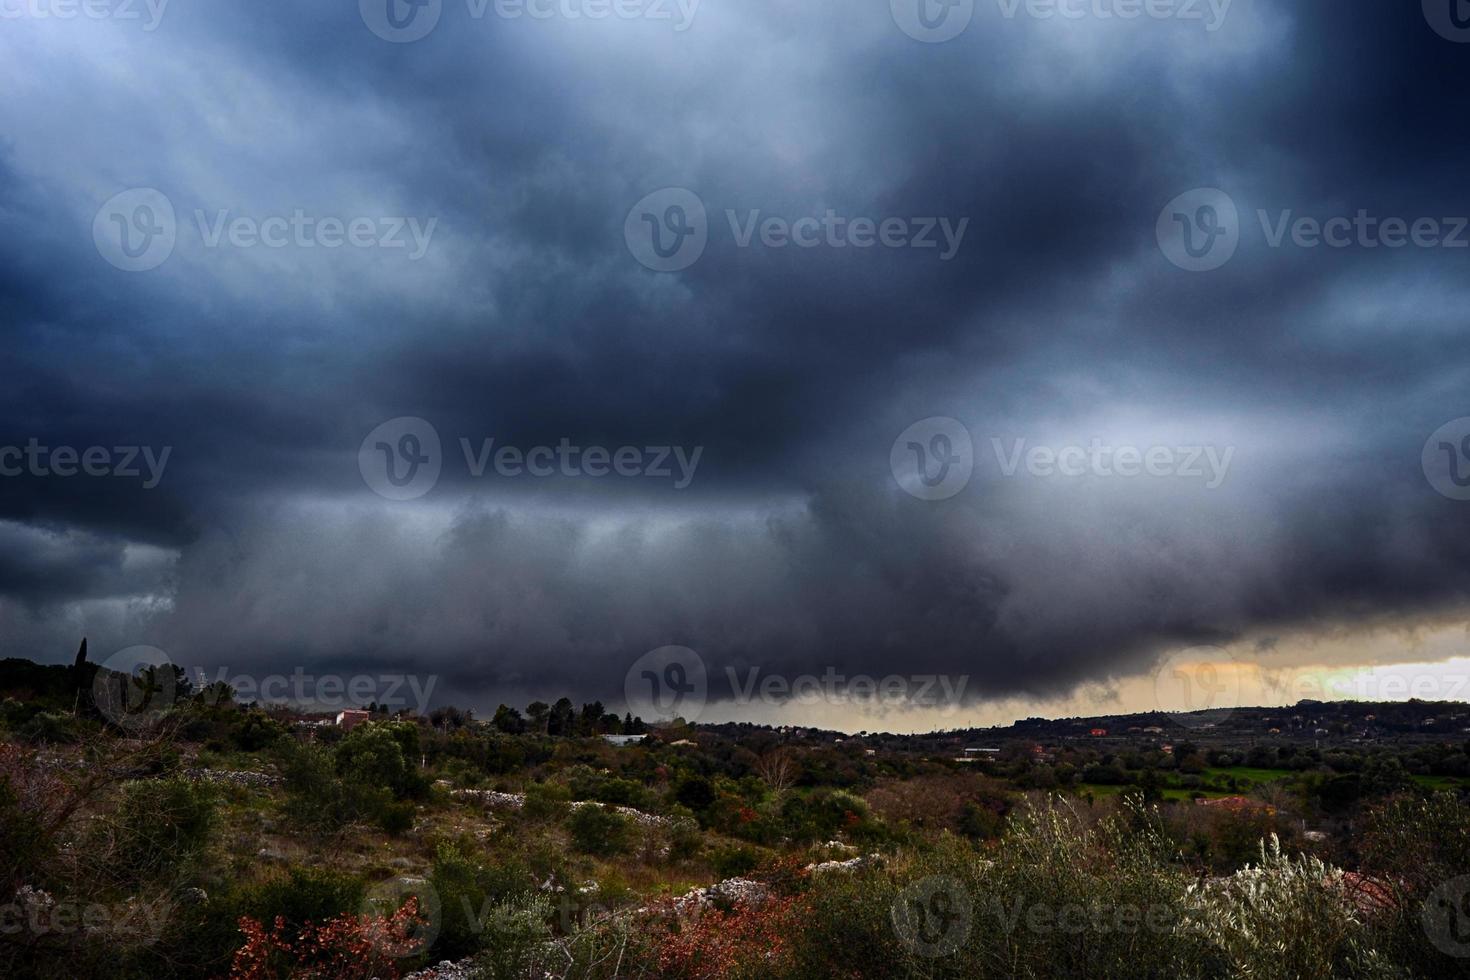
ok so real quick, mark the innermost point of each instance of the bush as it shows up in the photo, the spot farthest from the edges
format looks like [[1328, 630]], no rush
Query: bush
[[161, 825], [734, 862], [599, 830], [516, 932], [545, 802], [1283, 917], [468, 891]]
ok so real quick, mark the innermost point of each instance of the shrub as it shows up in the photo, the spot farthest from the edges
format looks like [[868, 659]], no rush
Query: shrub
[[347, 947], [749, 941], [468, 891], [1283, 917], [599, 830], [162, 824], [545, 802], [734, 862], [516, 932]]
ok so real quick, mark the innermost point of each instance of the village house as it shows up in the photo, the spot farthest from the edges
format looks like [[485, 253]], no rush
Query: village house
[[351, 718]]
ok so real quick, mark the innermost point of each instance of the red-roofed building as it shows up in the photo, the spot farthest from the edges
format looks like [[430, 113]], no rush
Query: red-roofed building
[[351, 718]]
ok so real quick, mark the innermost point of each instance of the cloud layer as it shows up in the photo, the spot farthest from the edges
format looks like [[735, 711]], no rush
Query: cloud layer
[[1058, 321]]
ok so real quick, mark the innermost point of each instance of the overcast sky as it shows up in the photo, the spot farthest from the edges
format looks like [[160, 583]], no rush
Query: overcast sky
[[1038, 379]]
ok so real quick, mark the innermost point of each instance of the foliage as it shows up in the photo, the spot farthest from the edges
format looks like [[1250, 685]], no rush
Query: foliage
[[599, 830], [162, 825], [347, 947]]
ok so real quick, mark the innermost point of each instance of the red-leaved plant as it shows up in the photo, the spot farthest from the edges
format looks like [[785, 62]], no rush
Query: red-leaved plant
[[348, 947], [748, 940]]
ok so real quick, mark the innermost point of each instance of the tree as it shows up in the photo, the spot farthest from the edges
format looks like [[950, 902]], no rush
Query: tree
[[450, 718], [538, 712], [508, 720], [562, 721], [778, 769], [590, 722]]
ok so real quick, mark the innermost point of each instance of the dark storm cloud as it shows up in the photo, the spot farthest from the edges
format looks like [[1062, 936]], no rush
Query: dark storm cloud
[[1057, 321]]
